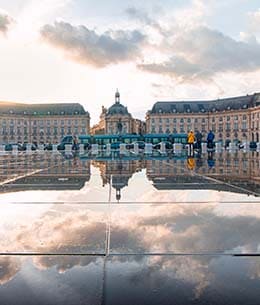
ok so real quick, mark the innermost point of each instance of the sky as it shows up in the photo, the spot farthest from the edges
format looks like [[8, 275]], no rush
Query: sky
[[82, 51]]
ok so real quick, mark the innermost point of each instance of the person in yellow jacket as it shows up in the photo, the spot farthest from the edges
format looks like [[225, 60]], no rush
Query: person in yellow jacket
[[191, 140]]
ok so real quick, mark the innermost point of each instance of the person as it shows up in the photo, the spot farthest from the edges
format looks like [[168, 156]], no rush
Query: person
[[75, 143], [210, 139], [198, 139], [191, 140]]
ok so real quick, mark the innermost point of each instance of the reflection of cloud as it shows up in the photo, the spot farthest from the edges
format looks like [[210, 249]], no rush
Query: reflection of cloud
[[89, 47], [138, 229], [8, 268]]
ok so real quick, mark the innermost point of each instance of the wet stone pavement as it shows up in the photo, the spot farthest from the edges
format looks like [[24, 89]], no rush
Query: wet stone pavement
[[130, 229]]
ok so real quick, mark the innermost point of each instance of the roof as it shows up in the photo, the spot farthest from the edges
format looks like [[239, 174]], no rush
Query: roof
[[233, 103], [42, 109], [117, 108]]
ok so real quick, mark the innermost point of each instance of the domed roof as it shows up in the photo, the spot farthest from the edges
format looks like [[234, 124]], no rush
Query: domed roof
[[117, 108]]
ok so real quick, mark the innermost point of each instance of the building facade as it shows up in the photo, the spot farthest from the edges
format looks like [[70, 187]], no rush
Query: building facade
[[41, 123], [231, 119], [117, 120]]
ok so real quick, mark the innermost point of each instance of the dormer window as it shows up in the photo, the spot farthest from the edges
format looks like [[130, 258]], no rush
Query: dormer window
[[11, 111], [35, 112], [201, 108], [228, 108], [245, 106], [187, 108]]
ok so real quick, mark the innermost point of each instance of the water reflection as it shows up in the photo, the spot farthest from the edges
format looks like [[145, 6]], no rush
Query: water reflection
[[168, 235], [236, 173]]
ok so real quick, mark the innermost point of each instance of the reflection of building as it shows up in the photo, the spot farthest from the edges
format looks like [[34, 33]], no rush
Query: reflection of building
[[117, 173], [117, 120], [47, 173], [231, 118], [234, 173], [41, 123]]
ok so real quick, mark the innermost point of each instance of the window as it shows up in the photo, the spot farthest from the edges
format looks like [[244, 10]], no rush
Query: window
[[228, 126]]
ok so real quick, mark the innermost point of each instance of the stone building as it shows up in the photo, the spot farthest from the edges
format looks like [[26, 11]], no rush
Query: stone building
[[41, 123], [231, 119], [117, 120]]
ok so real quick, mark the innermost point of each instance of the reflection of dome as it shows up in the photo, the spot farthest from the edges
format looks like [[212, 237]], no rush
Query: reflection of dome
[[117, 108]]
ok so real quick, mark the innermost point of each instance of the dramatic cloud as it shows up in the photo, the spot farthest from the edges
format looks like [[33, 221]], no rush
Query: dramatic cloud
[[202, 52], [89, 47], [5, 22]]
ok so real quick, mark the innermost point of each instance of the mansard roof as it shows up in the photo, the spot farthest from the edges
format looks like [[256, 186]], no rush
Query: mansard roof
[[42, 109], [233, 103]]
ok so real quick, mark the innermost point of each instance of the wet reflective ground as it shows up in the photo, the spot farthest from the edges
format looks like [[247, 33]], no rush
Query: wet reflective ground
[[130, 229]]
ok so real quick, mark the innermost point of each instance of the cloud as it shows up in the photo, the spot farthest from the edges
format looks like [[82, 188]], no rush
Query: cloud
[[254, 21], [144, 18], [88, 47], [5, 22], [202, 52]]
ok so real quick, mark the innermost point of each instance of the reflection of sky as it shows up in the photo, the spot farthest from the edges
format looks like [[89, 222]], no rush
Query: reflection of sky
[[79, 226]]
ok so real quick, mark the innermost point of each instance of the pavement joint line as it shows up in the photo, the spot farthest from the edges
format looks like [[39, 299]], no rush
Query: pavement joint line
[[133, 202], [131, 254]]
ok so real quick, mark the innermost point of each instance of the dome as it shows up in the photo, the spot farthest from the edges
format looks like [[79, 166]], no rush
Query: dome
[[117, 108]]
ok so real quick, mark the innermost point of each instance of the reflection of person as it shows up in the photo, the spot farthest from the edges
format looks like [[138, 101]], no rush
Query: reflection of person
[[198, 139], [191, 163], [191, 140], [211, 161], [199, 162]]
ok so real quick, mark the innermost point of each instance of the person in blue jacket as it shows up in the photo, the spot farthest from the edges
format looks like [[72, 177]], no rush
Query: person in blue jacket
[[210, 141]]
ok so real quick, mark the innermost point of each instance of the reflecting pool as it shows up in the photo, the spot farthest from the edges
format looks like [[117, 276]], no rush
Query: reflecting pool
[[130, 229]]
